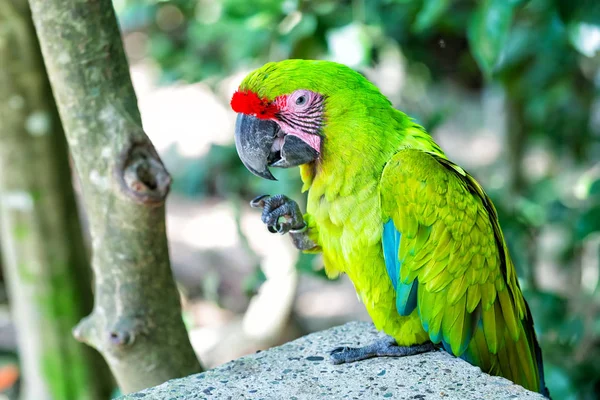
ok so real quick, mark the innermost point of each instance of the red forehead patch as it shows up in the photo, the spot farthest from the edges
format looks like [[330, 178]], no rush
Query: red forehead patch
[[248, 102]]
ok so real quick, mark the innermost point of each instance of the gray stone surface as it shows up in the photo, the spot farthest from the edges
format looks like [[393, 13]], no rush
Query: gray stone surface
[[301, 370]]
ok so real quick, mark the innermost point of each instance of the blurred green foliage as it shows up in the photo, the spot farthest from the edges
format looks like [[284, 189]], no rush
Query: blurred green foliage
[[542, 54]]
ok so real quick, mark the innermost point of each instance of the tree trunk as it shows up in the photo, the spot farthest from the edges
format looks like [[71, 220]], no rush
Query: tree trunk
[[46, 265], [136, 322]]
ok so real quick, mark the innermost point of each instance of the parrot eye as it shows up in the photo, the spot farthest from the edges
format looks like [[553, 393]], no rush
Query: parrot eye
[[300, 101]]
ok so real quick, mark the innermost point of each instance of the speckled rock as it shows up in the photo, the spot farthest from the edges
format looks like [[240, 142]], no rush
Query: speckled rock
[[301, 370]]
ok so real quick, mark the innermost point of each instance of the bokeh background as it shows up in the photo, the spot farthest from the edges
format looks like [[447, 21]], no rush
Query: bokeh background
[[509, 88]]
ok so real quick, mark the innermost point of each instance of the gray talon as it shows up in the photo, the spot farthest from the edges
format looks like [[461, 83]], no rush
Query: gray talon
[[259, 201], [280, 213]]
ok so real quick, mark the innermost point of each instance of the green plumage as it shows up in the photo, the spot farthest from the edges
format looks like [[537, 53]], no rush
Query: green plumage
[[382, 185]]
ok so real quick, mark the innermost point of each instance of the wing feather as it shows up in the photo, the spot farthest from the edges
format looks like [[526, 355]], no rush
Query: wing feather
[[453, 268]]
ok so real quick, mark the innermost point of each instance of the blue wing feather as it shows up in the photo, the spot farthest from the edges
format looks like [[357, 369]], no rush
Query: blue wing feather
[[406, 293], [391, 244]]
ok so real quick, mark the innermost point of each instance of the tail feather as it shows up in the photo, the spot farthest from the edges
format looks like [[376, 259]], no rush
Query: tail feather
[[537, 350], [519, 361]]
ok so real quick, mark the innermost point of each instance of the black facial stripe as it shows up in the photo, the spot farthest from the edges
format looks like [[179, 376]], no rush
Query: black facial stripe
[[304, 119], [314, 108], [302, 123], [313, 127], [304, 116]]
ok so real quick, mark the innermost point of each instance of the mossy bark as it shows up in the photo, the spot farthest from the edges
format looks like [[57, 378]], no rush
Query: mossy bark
[[136, 322], [46, 264]]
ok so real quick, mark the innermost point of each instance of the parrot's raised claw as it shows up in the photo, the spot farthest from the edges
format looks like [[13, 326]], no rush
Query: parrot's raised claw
[[385, 347], [259, 201], [280, 213]]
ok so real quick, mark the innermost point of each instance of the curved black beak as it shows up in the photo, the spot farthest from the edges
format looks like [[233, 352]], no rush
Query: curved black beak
[[253, 140], [261, 143]]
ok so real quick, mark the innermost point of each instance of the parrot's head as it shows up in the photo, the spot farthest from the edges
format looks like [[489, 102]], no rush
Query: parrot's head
[[285, 111]]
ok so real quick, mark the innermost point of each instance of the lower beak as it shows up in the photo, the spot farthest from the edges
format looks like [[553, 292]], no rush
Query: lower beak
[[261, 143]]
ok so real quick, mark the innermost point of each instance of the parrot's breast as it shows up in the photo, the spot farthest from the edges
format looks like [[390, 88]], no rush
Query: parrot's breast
[[350, 229]]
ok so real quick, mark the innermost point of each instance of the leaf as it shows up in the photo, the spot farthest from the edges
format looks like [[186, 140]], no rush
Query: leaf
[[430, 14], [488, 31]]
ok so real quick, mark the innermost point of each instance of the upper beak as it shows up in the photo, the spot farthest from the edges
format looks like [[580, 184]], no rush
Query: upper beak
[[253, 140], [261, 143]]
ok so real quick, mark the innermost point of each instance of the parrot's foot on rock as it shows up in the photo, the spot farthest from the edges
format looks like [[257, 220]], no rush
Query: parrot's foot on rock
[[385, 347]]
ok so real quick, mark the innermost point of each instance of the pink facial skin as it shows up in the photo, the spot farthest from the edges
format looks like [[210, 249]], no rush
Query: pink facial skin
[[300, 114]]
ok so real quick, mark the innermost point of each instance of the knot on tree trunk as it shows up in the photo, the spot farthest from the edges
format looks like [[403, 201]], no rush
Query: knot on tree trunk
[[117, 337], [125, 330], [142, 175]]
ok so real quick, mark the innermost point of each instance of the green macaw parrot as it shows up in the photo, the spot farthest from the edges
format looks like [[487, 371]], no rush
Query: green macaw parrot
[[415, 233]]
